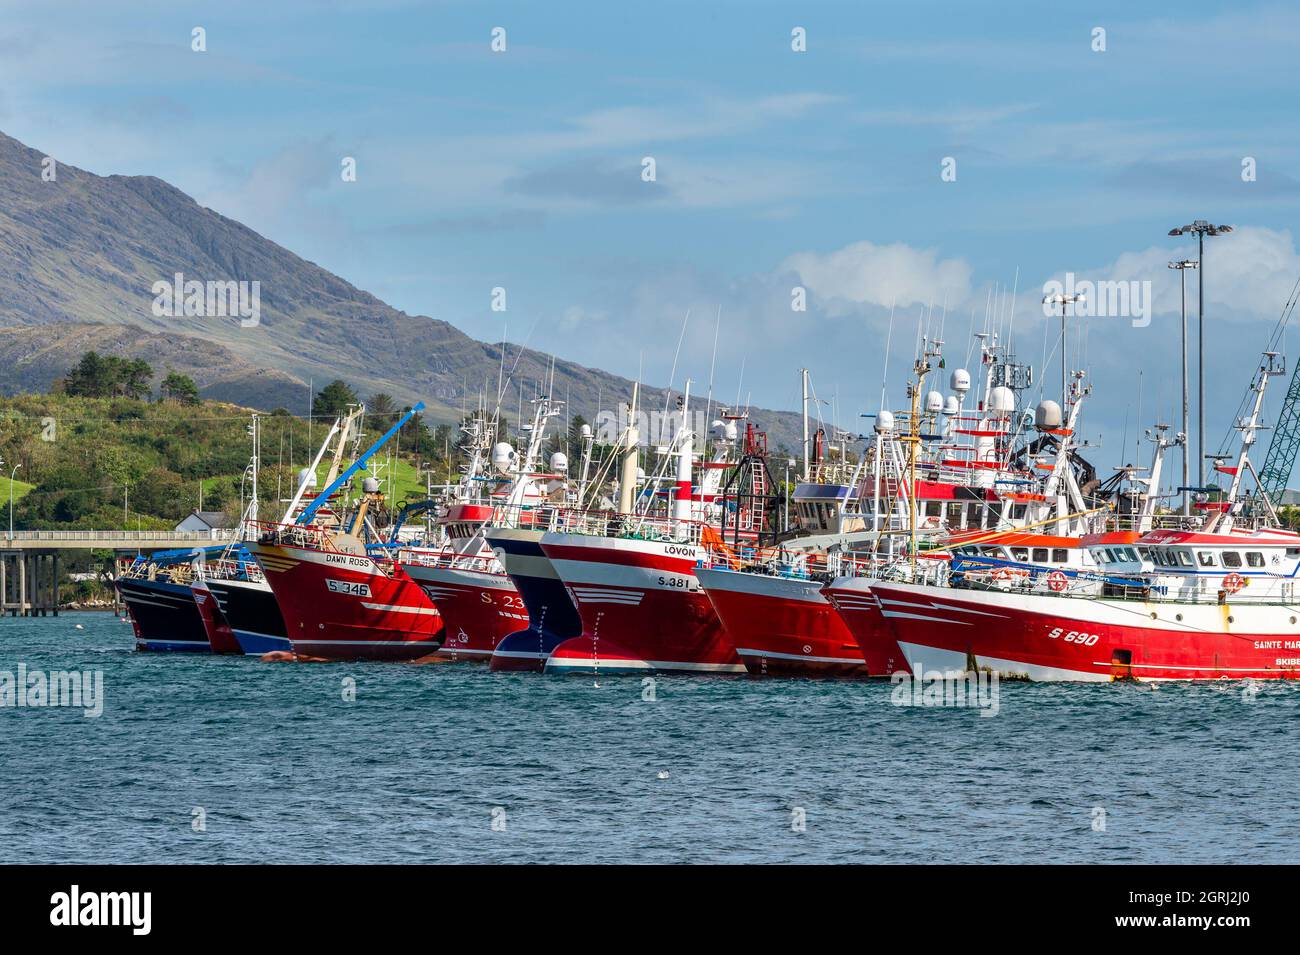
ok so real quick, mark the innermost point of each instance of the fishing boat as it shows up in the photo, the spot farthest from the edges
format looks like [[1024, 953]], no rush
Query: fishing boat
[[164, 616], [550, 614], [631, 575], [479, 603], [1214, 602], [772, 601], [342, 595]]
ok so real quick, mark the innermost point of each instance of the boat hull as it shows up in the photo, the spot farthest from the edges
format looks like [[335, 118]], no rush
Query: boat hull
[[254, 616], [1050, 638], [552, 617], [348, 607], [782, 626], [164, 616], [221, 639], [641, 605], [478, 609], [855, 604]]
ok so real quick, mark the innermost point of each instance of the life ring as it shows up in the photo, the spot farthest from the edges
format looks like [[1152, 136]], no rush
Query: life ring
[[1056, 581], [1233, 582]]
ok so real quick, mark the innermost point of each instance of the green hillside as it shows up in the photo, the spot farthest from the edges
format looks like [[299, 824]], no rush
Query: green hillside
[[120, 462]]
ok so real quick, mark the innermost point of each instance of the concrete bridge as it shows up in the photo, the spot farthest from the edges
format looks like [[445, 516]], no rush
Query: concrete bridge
[[29, 560]]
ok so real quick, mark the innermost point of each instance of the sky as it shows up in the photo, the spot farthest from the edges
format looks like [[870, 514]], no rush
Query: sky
[[933, 162]]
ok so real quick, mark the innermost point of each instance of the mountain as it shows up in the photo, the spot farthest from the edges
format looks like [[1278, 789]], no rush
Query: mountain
[[79, 257]]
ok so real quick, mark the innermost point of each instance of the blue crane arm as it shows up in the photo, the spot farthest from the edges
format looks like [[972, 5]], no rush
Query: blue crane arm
[[358, 465], [1284, 443], [409, 510]]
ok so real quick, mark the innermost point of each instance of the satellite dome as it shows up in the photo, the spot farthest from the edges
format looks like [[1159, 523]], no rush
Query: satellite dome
[[933, 403], [560, 463], [950, 405], [306, 478], [1002, 400], [960, 381], [884, 422], [370, 485], [1047, 415], [586, 431], [503, 456]]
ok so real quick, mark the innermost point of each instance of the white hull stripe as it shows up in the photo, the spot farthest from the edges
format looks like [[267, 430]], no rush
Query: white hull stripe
[[393, 608], [854, 603], [608, 595], [933, 605], [457, 650]]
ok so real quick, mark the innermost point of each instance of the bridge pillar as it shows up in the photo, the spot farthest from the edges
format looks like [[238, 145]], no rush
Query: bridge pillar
[[21, 602]]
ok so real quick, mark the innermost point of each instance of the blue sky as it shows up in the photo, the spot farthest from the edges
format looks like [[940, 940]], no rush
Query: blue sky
[[774, 168]]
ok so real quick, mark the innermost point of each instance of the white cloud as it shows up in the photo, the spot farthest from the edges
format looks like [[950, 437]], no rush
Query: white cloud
[[868, 274], [1249, 273]]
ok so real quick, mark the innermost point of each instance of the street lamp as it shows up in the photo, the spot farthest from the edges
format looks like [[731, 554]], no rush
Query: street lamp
[[1200, 228], [1182, 268], [1063, 300], [11, 501]]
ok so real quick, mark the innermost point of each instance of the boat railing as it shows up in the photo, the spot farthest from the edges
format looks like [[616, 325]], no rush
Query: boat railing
[[177, 572], [306, 536], [450, 560], [228, 568]]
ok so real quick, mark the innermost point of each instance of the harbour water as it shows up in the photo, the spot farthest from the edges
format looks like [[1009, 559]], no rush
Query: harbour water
[[209, 759]]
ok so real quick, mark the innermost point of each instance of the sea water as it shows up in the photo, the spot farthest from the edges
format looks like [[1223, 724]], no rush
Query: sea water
[[197, 758]]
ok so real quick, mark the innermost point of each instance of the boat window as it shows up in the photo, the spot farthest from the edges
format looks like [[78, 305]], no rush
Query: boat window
[[933, 508], [1254, 558], [1040, 555], [1020, 553], [1293, 551], [1060, 555], [1231, 558], [1184, 558], [1206, 557], [1143, 553]]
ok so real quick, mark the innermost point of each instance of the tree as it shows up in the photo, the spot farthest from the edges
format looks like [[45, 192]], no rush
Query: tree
[[107, 376], [181, 387], [93, 377], [334, 399], [136, 378]]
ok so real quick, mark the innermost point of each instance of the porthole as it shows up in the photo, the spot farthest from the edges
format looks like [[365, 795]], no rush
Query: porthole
[[1178, 616], [1153, 615], [1229, 620], [1293, 619]]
